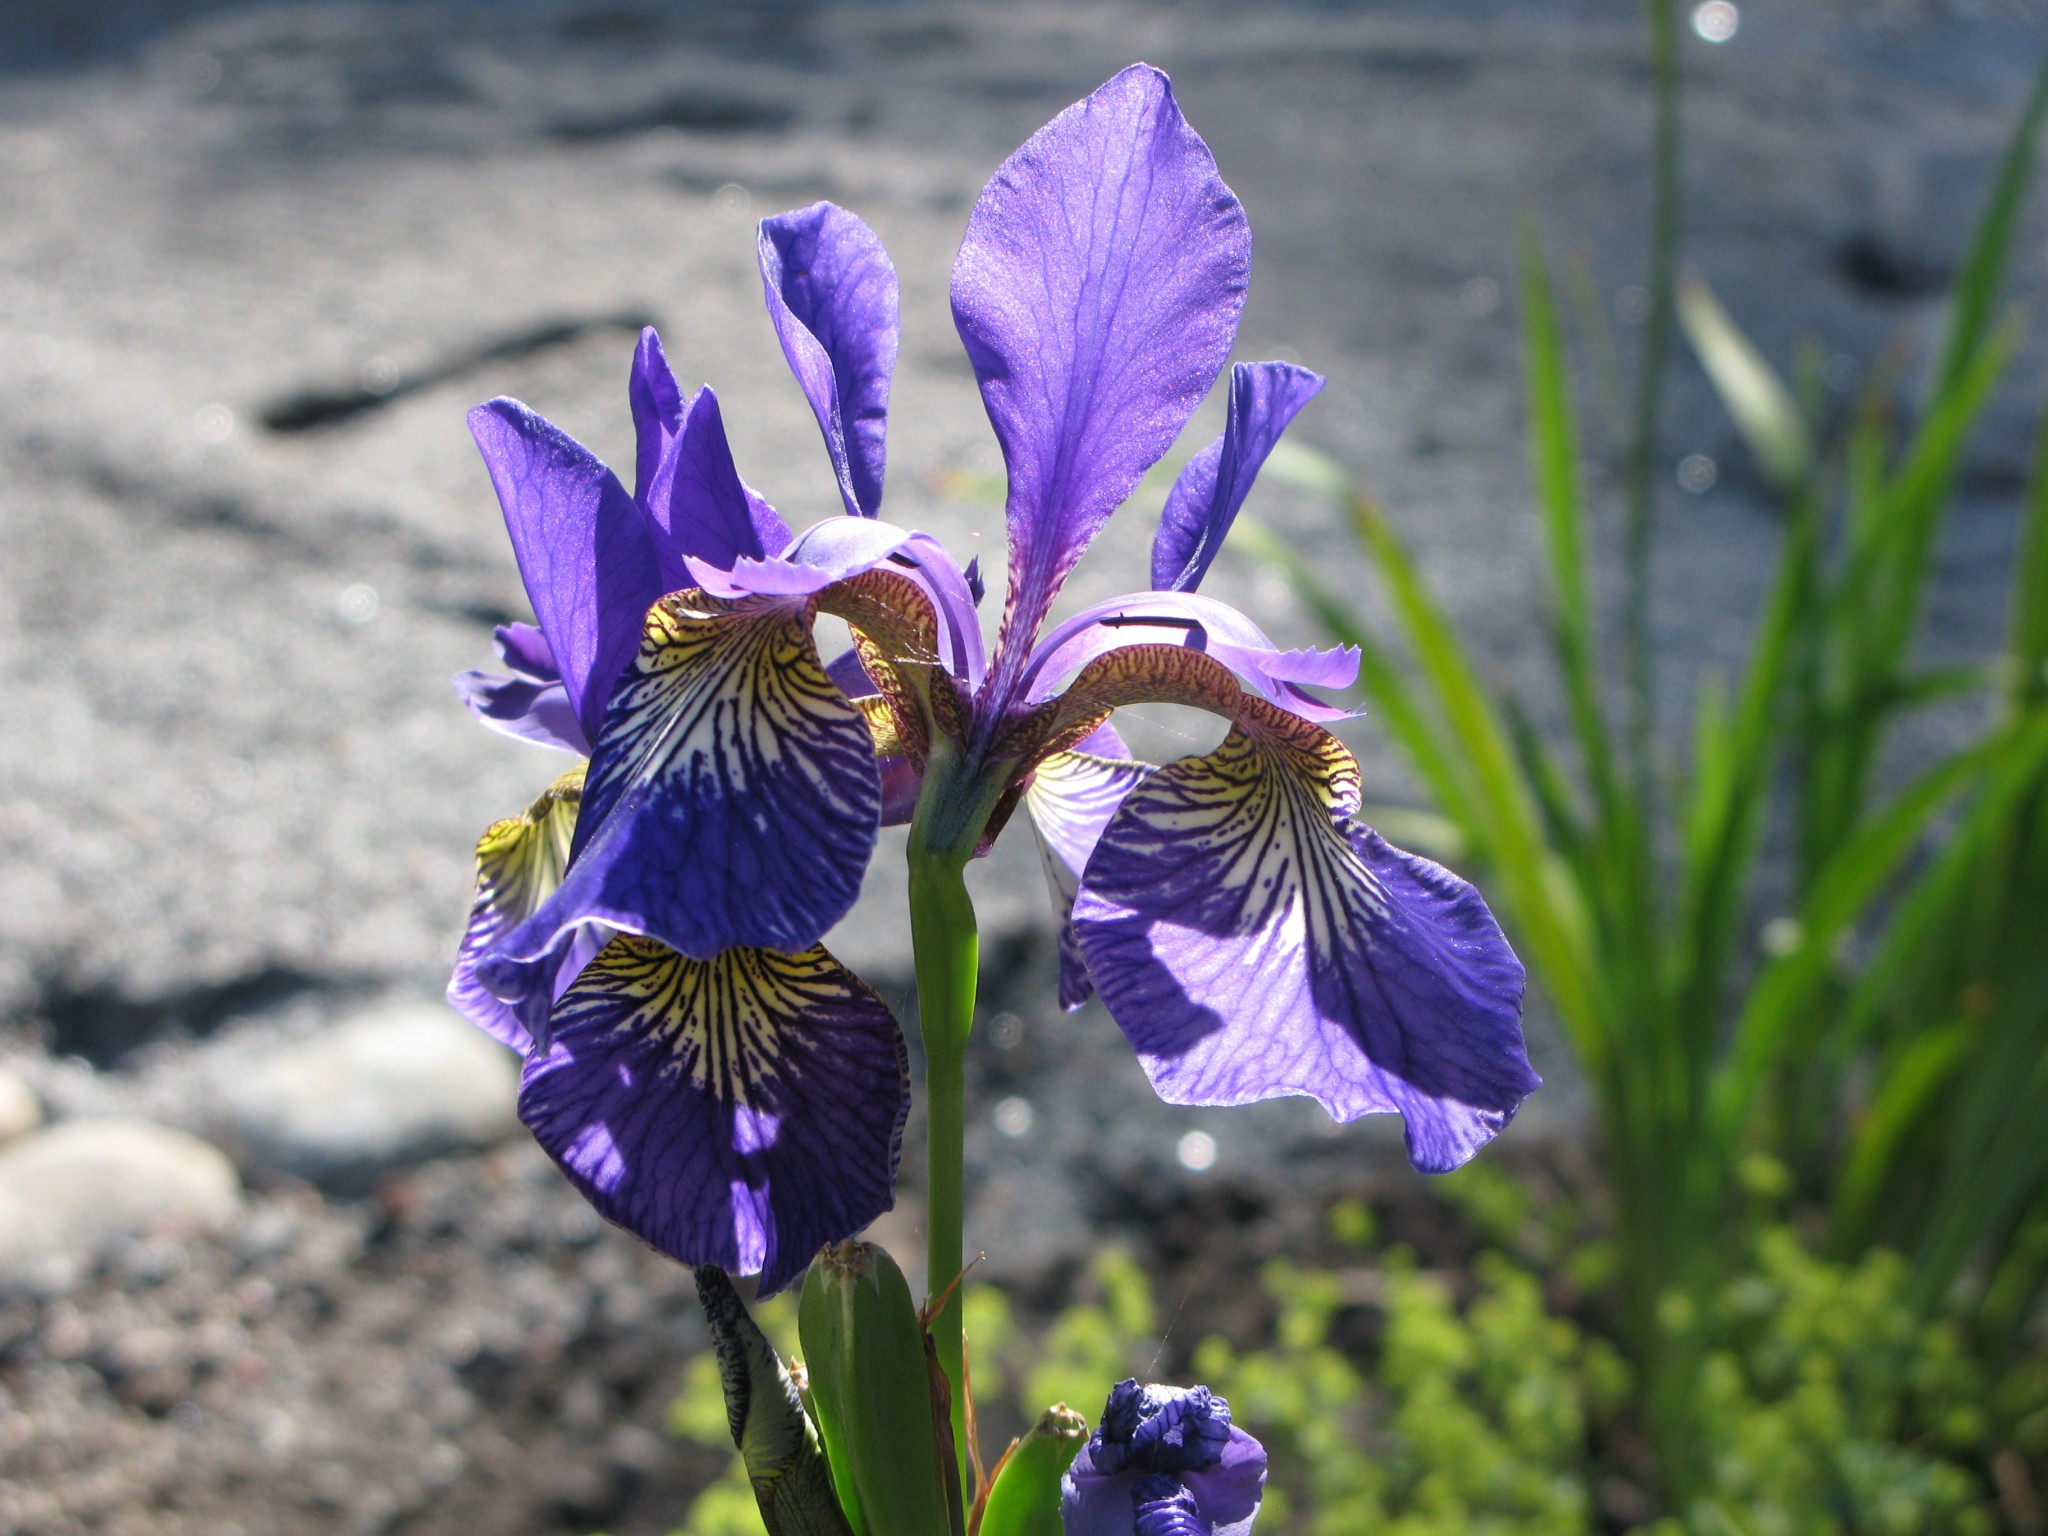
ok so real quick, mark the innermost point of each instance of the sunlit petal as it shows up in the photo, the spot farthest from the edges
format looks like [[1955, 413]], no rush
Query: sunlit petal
[[657, 403], [529, 702], [519, 864], [1084, 648], [704, 511], [832, 294], [1071, 798], [741, 1111], [1264, 398], [585, 549], [1253, 939], [733, 797], [1097, 292]]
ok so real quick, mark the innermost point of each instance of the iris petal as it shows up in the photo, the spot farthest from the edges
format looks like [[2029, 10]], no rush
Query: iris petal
[[1167, 1456], [699, 503], [1071, 798], [1087, 646], [832, 294], [1204, 501], [1097, 292], [843, 550], [529, 704], [523, 709], [732, 799], [519, 863], [657, 402], [741, 1111], [584, 547], [1253, 939]]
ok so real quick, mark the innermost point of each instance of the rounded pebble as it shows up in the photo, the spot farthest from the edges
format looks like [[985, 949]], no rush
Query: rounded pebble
[[20, 1112], [382, 1090], [74, 1192]]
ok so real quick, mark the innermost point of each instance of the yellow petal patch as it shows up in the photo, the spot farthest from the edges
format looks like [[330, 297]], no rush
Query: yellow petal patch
[[724, 1022], [896, 635], [519, 864]]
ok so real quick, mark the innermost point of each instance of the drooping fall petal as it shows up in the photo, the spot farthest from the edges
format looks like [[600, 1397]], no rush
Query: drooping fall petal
[[1252, 938], [741, 1111], [733, 796], [1071, 798], [519, 863]]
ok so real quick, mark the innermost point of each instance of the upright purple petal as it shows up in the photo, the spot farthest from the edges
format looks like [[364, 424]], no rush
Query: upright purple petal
[[1071, 798], [584, 548], [1097, 292], [657, 402], [1253, 939], [742, 1111], [699, 504], [732, 799], [832, 295], [1264, 398]]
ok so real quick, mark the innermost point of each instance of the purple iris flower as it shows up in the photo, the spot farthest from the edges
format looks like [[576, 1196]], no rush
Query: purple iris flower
[[712, 1079], [1165, 1461]]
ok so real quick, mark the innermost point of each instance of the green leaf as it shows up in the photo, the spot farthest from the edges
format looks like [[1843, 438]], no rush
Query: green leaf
[[1983, 275], [865, 1352], [1762, 407], [1910, 1086], [1778, 1018], [2027, 635], [1024, 1497], [1554, 468]]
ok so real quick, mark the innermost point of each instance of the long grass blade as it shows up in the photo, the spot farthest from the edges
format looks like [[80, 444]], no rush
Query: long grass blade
[[1762, 407], [1777, 1022], [2026, 680], [1975, 296]]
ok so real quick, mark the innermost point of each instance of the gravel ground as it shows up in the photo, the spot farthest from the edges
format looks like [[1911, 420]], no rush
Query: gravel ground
[[255, 263]]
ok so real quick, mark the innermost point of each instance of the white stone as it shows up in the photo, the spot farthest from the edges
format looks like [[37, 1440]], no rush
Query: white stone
[[381, 1090], [72, 1192], [20, 1112]]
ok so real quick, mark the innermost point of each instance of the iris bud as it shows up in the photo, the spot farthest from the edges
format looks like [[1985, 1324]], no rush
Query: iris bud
[[791, 1481], [864, 1348], [1024, 1499]]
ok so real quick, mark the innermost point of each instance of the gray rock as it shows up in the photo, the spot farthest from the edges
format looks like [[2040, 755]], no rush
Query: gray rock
[[20, 1110], [77, 1190], [378, 1091]]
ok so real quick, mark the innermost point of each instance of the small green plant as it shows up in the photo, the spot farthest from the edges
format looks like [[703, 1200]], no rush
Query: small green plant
[[1471, 1405], [1905, 1096], [1471, 1419]]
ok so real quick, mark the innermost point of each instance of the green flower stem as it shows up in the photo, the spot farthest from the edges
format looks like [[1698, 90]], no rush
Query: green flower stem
[[947, 947]]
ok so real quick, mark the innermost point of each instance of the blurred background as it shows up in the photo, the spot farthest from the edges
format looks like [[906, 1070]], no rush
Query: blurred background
[[273, 1253]]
